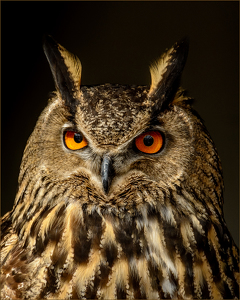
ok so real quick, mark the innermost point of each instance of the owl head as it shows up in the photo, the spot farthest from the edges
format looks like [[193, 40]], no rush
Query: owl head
[[120, 146]]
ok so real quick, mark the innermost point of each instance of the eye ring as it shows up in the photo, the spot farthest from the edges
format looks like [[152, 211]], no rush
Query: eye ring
[[74, 140], [149, 142]]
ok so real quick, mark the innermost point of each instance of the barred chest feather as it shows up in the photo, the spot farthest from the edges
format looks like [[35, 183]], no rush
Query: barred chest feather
[[153, 251]]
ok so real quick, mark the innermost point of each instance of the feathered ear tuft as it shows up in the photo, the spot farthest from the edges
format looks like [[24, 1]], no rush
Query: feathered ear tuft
[[66, 69], [157, 69], [166, 73]]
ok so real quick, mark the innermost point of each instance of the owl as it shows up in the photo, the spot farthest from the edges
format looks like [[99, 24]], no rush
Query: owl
[[120, 194]]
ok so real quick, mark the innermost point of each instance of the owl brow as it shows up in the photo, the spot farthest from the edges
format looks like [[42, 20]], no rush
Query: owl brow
[[154, 121], [72, 116]]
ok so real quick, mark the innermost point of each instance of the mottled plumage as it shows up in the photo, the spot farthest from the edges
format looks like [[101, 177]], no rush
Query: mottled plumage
[[108, 220]]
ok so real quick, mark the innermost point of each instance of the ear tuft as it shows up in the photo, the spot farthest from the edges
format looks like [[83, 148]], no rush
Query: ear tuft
[[166, 72], [157, 69], [66, 69]]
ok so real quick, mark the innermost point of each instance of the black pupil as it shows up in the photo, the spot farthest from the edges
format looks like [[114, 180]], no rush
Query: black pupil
[[148, 140], [78, 137]]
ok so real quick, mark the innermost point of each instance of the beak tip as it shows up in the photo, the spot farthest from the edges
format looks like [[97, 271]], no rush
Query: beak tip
[[105, 185]]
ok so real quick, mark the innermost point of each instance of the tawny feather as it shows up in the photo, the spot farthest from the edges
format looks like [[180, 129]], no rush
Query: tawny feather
[[156, 232]]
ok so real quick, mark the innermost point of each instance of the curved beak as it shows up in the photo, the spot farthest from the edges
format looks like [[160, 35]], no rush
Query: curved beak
[[107, 172]]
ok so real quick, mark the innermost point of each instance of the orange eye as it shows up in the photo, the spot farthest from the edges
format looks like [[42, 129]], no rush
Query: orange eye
[[74, 140], [149, 142]]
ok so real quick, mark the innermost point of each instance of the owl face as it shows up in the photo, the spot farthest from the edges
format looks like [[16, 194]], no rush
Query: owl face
[[111, 142], [117, 144]]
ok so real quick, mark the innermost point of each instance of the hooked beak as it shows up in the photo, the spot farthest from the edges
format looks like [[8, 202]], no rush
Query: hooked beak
[[107, 172]]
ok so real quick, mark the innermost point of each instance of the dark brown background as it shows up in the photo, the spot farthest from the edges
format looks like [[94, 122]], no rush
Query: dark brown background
[[116, 41]]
